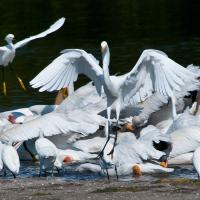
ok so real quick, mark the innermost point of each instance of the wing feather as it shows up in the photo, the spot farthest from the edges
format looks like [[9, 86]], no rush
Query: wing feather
[[55, 123], [155, 72], [54, 27], [64, 70]]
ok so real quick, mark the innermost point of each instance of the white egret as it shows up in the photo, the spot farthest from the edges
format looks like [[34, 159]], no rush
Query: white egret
[[10, 159], [7, 53], [130, 155], [50, 156], [153, 72], [196, 160], [47, 153]]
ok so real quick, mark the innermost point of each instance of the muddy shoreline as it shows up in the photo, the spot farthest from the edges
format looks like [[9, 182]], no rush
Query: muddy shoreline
[[54, 188]]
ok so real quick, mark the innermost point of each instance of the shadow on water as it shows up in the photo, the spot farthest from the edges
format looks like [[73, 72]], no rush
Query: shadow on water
[[128, 26]]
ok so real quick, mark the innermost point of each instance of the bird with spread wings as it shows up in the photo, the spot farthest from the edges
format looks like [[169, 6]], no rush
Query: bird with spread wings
[[7, 53], [153, 72]]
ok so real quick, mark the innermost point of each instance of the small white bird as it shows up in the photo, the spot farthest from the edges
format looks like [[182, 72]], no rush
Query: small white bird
[[10, 159], [7, 53], [47, 153]]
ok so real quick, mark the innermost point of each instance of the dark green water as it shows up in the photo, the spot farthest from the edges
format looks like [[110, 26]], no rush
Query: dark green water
[[129, 27]]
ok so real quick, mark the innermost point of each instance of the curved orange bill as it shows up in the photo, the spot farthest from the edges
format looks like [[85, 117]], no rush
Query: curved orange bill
[[21, 83]]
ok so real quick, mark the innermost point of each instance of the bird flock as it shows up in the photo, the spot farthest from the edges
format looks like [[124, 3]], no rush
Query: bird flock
[[145, 121]]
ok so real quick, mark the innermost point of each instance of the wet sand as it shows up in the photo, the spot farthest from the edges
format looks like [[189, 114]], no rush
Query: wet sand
[[54, 188]]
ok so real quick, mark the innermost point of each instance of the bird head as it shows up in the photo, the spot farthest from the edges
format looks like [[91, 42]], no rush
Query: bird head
[[104, 46], [9, 38]]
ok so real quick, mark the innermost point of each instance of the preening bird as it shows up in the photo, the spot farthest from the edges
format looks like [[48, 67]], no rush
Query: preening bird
[[153, 72], [7, 53]]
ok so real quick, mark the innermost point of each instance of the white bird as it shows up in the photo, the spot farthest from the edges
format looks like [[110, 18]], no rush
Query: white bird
[[153, 72], [129, 151], [196, 160], [50, 156], [9, 158], [7, 53], [47, 153], [126, 169], [184, 142], [76, 117]]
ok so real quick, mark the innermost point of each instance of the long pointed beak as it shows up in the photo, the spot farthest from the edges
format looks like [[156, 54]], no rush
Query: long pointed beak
[[21, 83], [164, 164]]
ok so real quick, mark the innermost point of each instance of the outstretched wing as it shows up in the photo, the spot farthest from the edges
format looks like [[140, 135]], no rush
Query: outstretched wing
[[51, 29], [155, 72], [55, 123], [64, 70]]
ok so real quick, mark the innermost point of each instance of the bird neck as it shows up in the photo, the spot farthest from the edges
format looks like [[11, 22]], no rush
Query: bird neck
[[106, 73], [174, 113], [10, 44], [41, 133]]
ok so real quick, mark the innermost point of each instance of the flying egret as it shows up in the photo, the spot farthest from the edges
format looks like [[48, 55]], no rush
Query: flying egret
[[153, 72], [7, 53]]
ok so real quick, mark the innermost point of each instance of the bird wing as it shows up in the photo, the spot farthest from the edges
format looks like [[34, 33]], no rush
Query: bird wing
[[64, 70], [51, 29], [11, 159], [54, 123], [155, 72]]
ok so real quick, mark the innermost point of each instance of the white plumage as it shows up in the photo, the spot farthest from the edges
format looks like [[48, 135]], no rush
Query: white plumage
[[153, 72], [196, 160], [7, 53], [9, 159]]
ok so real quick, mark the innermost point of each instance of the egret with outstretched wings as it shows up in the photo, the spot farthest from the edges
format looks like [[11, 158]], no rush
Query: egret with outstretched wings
[[153, 72]]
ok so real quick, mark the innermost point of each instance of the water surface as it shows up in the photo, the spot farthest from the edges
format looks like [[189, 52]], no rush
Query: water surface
[[128, 26]]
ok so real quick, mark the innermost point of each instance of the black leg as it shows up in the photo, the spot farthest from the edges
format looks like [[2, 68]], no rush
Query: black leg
[[105, 167], [115, 140], [58, 170], [116, 172], [14, 176], [4, 171], [102, 151]]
